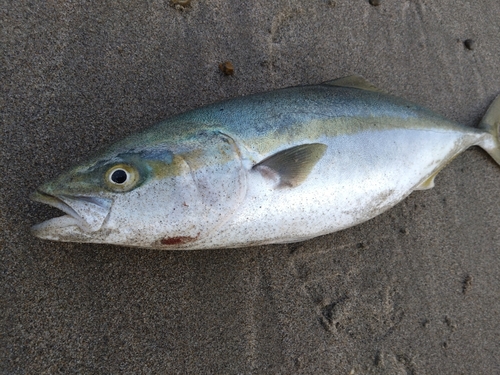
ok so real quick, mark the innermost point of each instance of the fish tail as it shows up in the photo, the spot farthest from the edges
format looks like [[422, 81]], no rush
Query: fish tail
[[491, 124]]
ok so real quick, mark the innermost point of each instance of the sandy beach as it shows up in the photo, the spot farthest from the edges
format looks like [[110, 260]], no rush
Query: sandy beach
[[415, 290]]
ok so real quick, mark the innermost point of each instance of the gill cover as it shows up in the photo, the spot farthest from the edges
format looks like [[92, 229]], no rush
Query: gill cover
[[209, 188]]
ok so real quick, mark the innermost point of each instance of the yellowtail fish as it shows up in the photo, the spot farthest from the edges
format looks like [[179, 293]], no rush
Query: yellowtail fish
[[277, 167]]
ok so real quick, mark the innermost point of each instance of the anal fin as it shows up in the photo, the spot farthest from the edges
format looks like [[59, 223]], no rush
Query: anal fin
[[427, 183], [291, 167]]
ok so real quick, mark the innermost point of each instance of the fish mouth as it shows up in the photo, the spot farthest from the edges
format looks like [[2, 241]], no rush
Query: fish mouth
[[83, 214]]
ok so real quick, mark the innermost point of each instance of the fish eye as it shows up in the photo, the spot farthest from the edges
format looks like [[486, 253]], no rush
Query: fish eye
[[121, 177]]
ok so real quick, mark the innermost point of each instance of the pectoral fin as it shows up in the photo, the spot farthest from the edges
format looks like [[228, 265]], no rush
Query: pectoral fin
[[291, 167], [354, 81]]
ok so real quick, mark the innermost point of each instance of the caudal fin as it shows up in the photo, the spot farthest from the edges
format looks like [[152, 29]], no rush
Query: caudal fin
[[491, 124]]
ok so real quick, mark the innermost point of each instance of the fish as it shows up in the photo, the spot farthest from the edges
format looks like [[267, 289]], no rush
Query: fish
[[276, 167]]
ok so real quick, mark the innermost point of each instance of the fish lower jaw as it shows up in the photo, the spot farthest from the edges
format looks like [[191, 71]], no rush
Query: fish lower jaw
[[84, 214], [54, 229]]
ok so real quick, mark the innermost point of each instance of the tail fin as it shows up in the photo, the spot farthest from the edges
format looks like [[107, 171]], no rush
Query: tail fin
[[491, 124]]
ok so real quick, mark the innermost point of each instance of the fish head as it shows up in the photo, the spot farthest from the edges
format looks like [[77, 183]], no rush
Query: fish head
[[166, 195]]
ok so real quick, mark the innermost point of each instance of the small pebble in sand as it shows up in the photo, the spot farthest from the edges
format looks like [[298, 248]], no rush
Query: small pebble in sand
[[469, 44], [227, 68], [375, 3], [180, 4]]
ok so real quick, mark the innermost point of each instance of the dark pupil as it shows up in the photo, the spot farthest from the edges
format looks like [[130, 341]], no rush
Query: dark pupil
[[119, 176]]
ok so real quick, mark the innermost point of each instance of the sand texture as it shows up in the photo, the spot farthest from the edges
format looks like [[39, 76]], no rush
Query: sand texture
[[414, 291]]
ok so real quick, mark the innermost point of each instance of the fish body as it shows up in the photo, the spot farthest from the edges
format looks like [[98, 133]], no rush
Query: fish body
[[276, 167]]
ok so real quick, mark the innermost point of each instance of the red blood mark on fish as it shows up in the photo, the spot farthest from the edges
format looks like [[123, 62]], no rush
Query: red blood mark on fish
[[177, 240]]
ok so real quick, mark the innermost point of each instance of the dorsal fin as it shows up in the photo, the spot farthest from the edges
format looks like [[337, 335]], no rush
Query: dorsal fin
[[353, 81], [291, 167]]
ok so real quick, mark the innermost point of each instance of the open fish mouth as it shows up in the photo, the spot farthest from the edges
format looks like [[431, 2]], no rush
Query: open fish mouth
[[86, 213]]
